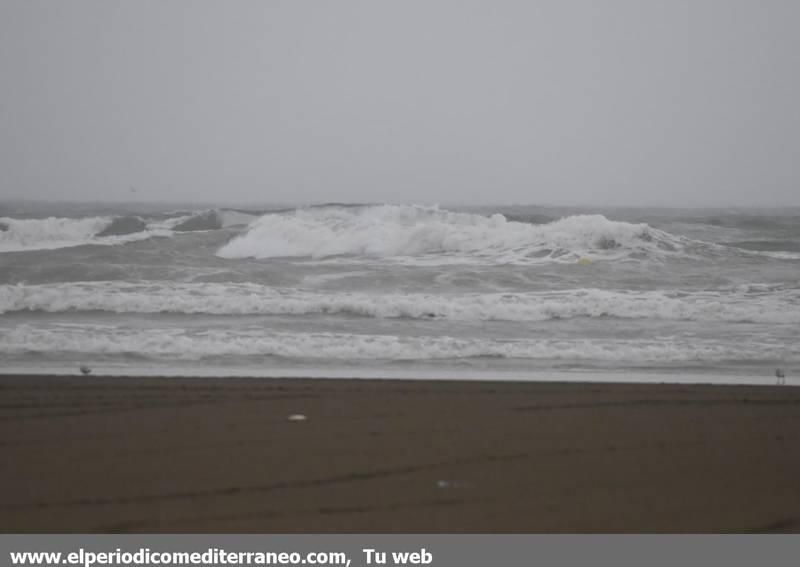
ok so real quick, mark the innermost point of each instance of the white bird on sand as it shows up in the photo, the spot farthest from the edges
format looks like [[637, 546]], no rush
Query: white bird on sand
[[85, 369]]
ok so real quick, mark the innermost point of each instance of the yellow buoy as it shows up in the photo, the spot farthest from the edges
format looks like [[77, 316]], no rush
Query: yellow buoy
[[585, 261]]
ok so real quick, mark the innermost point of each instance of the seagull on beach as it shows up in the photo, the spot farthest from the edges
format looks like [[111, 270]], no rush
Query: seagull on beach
[[780, 376], [85, 370]]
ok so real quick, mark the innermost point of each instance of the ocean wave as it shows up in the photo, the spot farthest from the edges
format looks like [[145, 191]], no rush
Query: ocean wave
[[19, 235], [212, 219], [755, 304], [188, 344], [393, 231], [23, 235], [777, 255], [53, 232]]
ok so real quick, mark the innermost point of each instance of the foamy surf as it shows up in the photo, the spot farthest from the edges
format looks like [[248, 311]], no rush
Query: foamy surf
[[25, 235], [522, 289], [395, 231], [49, 233], [740, 304], [79, 341]]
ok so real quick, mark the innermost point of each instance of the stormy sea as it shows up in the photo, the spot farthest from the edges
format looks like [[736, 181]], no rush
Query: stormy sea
[[400, 290]]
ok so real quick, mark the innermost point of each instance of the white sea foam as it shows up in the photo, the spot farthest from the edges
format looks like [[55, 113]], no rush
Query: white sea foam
[[51, 233], [397, 231], [188, 344], [740, 304], [207, 219], [777, 255], [168, 223]]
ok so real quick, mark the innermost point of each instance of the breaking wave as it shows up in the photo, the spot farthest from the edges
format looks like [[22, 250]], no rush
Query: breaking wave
[[188, 344], [741, 304], [45, 234], [213, 219], [17, 235], [27, 234], [390, 231]]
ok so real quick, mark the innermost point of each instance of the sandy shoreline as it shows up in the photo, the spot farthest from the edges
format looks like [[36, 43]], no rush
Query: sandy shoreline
[[220, 455]]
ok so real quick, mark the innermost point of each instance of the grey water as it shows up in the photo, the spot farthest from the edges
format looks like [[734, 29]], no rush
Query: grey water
[[348, 287]]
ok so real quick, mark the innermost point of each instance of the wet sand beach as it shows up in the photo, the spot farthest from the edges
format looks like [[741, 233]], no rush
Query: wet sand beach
[[220, 455]]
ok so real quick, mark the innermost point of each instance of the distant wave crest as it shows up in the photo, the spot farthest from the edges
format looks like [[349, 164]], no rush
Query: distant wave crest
[[393, 231], [53, 232], [17, 235]]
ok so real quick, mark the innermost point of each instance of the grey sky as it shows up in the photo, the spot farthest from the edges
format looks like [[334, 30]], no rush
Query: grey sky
[[671, 102]]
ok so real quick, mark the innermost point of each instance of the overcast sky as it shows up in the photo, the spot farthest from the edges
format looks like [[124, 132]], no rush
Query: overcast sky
[[669, 102]]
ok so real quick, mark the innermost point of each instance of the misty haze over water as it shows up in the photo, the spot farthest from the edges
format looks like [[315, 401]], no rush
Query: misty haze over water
[[584, 103]]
